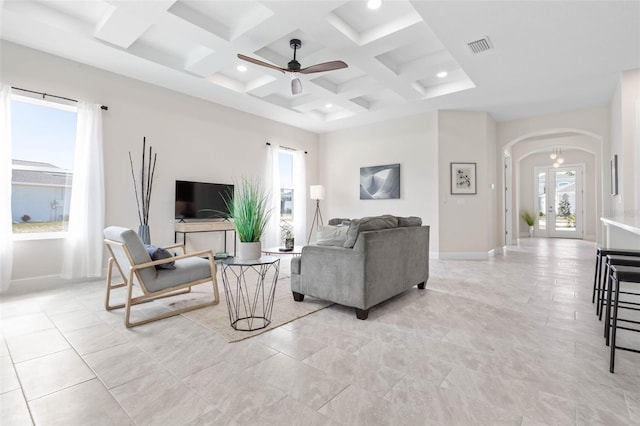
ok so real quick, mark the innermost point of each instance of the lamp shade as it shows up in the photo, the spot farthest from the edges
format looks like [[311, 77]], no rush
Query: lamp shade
[[316, 192]]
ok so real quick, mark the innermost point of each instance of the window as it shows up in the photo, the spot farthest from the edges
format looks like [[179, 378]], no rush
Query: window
[[285, 162], [43, 150]]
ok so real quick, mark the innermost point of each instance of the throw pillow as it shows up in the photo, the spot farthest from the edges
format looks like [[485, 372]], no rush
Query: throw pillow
[[352, 233], [157, 253], [410, 221], [332, 235]]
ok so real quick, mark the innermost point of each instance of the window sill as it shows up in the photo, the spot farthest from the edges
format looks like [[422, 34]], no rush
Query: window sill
[[40, 236]]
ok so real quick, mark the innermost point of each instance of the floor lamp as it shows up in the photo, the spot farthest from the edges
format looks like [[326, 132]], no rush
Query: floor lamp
[[317, 193]]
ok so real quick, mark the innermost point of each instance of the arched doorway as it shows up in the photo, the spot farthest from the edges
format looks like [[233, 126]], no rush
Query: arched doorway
[[525, 153]]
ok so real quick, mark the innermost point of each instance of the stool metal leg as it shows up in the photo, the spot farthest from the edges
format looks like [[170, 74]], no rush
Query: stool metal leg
[[596, 282], [614, 324]]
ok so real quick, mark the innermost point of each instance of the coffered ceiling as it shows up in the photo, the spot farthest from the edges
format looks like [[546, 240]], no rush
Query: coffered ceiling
[[542, 57]]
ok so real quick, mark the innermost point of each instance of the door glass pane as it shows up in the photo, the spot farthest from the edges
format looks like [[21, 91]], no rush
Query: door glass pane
[[565, 201], [542, 200]]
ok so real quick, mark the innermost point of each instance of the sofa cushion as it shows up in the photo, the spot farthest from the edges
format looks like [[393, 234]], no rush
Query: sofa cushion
[[332, 235], [409, 221], [373, 223], [376, 223]]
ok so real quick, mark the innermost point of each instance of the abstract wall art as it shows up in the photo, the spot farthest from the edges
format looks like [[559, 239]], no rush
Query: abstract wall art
[[380, 182]]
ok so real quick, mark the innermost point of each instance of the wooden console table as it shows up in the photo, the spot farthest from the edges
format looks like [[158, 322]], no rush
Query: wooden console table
[[185, 228]]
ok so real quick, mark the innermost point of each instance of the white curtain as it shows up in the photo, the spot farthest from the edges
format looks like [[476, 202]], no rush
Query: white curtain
[[6, 232], [272, 234], [84, 243], [299, 197]]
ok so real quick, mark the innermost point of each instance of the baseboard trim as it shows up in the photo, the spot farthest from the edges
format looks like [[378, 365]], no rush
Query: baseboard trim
[[42, 283], [469, 255]]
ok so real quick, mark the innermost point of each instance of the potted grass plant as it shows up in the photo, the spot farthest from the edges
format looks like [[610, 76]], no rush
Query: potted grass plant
[[249, 209], [530, 220]]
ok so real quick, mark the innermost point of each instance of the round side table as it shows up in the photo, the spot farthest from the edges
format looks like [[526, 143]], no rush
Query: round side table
[[250, 287], [297, 251]]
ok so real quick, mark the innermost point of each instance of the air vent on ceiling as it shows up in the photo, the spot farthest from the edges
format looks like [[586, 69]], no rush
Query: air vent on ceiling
[[480, 46]]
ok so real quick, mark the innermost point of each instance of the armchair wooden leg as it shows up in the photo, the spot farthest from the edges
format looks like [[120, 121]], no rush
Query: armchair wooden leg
[[298, 297], [127, 303], [422, 285], [110, 287]]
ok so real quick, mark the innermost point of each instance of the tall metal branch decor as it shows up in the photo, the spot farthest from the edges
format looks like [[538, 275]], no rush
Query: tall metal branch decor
[[143, 193]]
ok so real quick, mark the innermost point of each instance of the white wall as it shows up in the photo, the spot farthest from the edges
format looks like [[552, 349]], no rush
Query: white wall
[[194, 139], [467, 222], [410, 141], [625, 142]]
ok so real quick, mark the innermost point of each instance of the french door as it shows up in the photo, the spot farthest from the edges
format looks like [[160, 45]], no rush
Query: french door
[[559, 201]]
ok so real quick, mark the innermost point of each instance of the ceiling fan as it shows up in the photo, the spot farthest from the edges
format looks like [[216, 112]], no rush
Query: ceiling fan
[[293, 67]]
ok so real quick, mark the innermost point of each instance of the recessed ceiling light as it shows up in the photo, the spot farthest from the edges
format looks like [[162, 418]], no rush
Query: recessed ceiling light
[[374, 4], [241, 68], [442, 74], [328, 106]]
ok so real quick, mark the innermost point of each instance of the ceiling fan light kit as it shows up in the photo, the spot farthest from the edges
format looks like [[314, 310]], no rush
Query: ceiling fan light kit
[[296, 85], [295, 68]]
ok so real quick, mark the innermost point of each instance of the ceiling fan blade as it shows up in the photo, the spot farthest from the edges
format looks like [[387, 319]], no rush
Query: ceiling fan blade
[[261, 63], [325, 66], [296, 86]]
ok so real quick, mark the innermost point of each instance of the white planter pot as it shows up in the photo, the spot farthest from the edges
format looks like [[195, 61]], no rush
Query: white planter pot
[[249, 251], [531, 230]]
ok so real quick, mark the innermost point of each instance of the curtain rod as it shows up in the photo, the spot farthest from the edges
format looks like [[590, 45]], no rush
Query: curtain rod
[[286, 148], [104, 107]]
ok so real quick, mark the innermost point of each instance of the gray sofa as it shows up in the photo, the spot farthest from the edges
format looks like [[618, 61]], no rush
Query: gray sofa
[[381, 257]]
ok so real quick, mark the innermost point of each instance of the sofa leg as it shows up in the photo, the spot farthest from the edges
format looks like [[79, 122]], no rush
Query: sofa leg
[[298, 297], [422, 285], [362, 314]]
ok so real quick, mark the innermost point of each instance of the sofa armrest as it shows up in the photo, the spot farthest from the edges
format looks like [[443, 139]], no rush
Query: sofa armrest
[[331, 273]]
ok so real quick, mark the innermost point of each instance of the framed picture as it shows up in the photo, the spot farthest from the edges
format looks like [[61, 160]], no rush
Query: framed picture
[[614, 175], [380, 182], [463, 178]]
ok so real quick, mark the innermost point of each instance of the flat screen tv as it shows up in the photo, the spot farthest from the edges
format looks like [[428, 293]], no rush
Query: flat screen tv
[[199, 200]]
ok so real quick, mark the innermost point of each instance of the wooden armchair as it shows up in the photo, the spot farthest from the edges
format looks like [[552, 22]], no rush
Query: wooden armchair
[[130, 256]]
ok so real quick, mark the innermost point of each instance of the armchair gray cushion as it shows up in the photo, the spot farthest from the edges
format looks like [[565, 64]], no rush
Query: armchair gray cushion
[[136, 249]]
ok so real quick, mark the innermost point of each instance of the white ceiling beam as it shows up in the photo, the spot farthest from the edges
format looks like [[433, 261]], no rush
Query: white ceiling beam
[[120, 28]]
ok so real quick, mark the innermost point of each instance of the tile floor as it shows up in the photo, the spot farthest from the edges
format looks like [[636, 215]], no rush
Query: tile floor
[[513, 340]]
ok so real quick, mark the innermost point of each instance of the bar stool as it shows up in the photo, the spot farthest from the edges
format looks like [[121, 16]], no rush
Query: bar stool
[[601, 254], [628, 274], [613, 260]]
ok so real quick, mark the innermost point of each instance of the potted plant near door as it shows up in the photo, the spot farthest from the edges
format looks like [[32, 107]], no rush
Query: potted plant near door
[[530, 220], [249, 209]]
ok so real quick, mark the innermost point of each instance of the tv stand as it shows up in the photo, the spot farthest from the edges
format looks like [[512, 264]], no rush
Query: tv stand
[[185, 228]]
